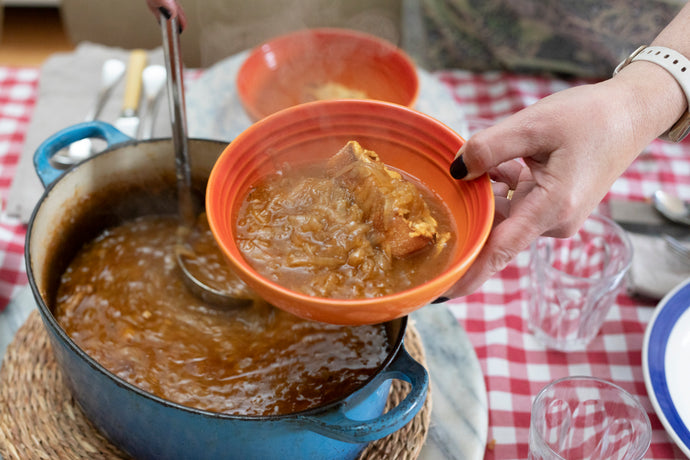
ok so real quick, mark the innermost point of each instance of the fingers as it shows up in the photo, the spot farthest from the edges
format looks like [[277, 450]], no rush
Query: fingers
[[490, 261], [512, 138], [508, 238], [502, 194], [508, 173]]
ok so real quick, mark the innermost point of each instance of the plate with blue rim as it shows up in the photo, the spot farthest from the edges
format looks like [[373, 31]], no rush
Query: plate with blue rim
[[666, 364]]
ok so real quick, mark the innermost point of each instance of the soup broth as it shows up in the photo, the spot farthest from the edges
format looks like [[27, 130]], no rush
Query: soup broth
[[348, 228], [122, 300]]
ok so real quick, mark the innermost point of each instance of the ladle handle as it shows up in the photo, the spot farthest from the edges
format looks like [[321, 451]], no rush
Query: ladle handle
[[176, 102]]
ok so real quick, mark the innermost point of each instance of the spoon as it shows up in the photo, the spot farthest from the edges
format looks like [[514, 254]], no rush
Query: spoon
[[153, 79], [186, 207], [671, 207], [111, 74]]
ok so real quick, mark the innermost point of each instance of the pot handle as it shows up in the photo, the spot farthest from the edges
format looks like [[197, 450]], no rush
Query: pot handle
[[337, 425], [46, 171]]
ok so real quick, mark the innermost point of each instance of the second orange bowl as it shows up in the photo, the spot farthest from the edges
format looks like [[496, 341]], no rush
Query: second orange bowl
[[280, 72]]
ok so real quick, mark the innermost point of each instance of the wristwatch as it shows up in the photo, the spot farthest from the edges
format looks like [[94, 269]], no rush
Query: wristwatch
[[679, 67]]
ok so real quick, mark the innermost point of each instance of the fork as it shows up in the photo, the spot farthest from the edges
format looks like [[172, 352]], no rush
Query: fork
[[677, 247]]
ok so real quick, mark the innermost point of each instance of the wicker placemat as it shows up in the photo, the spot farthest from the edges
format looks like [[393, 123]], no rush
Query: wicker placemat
[[40, 420]]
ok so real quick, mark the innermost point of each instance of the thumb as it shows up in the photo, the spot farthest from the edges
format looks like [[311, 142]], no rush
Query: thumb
[[513, 138]]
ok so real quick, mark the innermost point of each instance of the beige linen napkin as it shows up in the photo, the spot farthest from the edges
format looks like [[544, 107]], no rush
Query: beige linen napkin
[[67, 89], [655, 269]]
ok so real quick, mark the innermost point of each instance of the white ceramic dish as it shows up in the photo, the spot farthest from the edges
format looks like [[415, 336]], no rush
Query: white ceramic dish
[[665, 363]]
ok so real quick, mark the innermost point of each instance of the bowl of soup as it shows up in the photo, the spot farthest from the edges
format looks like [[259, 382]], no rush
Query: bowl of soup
[[345, 212], [321, 64]]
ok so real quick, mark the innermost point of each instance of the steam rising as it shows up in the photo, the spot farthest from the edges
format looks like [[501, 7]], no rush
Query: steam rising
[[228, 28]]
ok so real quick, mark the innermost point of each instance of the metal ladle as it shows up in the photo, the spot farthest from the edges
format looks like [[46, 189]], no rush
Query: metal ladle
[[187, 208]]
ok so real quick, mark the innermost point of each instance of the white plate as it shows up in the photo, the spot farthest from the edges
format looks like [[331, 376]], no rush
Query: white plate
[[666, 364]]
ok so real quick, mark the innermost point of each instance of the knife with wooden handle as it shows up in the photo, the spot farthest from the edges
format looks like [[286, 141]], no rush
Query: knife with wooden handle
[[128, 122]]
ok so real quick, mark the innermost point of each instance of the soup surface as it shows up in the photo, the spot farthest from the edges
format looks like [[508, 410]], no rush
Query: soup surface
[[123, 302], [348, 228], [295, 82], [331, 90]]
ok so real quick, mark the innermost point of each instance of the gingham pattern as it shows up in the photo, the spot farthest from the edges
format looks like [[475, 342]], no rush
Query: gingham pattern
[[18, 91], [515, 366]]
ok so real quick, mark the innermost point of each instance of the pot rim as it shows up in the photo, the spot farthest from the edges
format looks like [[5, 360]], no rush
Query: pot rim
[[50, 321]]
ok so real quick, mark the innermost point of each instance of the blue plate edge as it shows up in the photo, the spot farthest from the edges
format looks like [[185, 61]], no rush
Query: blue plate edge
[[667, 312]]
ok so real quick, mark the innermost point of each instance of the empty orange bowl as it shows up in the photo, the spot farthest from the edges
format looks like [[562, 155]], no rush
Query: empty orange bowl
[[327, 63], [404, 139]]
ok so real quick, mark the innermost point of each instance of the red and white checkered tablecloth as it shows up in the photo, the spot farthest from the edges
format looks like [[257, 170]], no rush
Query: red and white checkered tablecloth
[[515, 366], [18, 91]]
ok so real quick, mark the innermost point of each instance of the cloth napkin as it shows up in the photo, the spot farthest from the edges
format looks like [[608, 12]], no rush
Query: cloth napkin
[[67, 89], [655, 269]]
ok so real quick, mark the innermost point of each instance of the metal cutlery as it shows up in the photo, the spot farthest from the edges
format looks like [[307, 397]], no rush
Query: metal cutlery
[[677, 247], [128, 122], [153, 81], [112, 72], [672, 207], [186, 205]]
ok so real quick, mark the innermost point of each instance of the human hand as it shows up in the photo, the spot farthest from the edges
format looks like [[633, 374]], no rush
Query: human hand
[[559, 157], [169, 9]]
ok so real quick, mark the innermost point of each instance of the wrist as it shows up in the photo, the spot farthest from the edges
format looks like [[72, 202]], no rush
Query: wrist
[[655, 98]]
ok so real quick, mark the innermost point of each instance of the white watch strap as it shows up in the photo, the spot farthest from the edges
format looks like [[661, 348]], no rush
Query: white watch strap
[[678, 66], [674, 62]]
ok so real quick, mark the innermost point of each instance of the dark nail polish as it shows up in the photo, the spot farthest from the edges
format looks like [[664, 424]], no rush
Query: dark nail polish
[[440, 300], [458, 169], [164, 11]]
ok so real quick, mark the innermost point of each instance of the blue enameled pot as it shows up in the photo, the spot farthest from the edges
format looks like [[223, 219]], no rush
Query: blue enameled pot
[[133, 178]]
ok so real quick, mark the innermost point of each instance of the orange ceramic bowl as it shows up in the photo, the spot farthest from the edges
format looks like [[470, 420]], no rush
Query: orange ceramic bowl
[[289, 70], [403, 138]]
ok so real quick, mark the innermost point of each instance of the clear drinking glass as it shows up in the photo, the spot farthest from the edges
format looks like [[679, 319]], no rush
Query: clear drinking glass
[[574, 281], [587, 418]]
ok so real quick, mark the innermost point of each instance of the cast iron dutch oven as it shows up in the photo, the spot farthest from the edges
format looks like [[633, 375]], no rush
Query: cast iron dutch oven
[[133, 178]]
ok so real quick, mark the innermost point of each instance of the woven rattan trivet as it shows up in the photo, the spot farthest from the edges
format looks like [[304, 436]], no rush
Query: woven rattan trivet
[[40, 420]]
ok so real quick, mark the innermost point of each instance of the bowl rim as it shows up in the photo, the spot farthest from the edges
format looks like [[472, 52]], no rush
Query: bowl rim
[[450, 273], [282, 40]]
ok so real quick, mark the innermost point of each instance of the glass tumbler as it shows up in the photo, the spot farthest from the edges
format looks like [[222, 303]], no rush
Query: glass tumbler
[[587, 418], [574, 281]]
